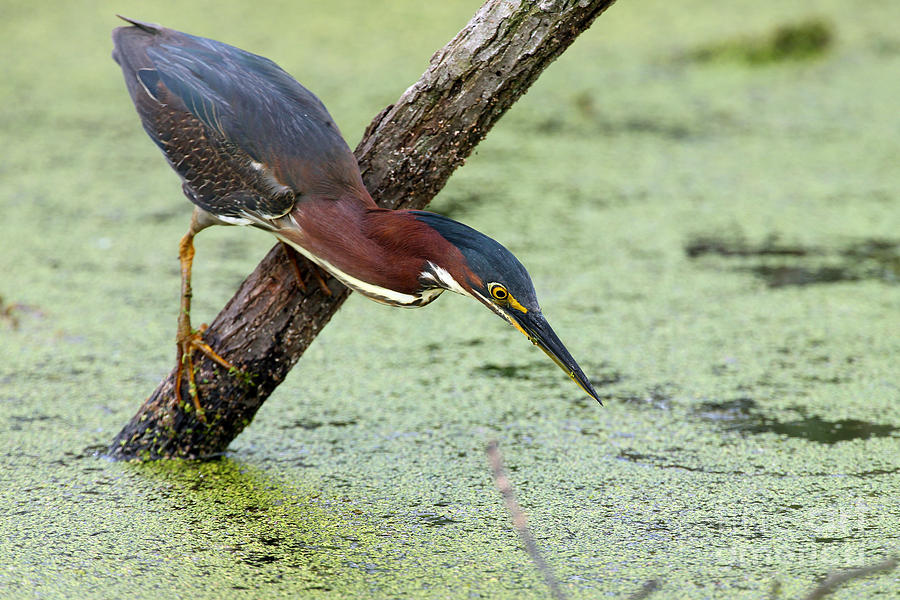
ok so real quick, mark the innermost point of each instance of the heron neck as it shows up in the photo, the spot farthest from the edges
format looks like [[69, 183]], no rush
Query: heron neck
[[381, 253]]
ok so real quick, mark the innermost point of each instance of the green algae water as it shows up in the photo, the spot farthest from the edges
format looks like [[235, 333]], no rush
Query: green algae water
[[706, 197]]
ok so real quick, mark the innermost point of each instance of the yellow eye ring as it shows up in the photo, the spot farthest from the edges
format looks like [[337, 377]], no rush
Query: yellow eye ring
[[498, 292]]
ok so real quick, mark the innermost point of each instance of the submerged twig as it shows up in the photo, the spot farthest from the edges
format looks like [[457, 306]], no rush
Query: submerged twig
[[520, 520], [835, 580], [8, 313]]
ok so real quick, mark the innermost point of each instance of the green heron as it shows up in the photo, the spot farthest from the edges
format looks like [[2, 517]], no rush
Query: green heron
[[254, 147]]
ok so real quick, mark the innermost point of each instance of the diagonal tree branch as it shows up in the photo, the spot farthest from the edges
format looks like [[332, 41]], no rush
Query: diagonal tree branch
[[406, 155]]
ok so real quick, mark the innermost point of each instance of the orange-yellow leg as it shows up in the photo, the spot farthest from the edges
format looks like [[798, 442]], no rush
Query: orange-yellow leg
[[292, 258], [293, 255], [187, 339], [318, 275]]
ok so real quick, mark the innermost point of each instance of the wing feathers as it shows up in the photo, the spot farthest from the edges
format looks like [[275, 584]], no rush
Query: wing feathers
[[246, 99]]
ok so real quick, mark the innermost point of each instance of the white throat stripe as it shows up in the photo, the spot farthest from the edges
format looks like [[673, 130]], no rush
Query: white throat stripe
[[445, 279], [377, 293]]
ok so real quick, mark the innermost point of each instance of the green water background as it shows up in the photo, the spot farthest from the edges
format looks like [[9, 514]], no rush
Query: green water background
[[708, 208]]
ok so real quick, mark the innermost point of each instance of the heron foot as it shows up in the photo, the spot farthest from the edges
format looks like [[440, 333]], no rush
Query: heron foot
[[188, 341], [293, 257], [317, 273]]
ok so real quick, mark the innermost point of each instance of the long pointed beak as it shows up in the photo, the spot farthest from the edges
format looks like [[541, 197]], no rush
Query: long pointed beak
[[538, 330]]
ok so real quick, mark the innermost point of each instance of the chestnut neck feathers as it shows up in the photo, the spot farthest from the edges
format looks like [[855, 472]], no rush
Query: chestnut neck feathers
[[391, 256]]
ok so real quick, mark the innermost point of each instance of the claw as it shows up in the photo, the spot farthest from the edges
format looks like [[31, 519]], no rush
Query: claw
[[187, 345]]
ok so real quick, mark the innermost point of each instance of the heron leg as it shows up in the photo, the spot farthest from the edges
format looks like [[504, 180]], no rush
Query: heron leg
[[293, 257], [317, 272], [187, 339]]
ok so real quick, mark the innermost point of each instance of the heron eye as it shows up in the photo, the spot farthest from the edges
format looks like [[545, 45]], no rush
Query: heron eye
[[499, 292]]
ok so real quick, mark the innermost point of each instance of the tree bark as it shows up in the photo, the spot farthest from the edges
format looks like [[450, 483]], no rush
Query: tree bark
[[406, 156]]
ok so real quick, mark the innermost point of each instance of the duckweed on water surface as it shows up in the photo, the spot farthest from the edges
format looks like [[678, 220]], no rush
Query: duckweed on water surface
[[792, 41], [715, 242]]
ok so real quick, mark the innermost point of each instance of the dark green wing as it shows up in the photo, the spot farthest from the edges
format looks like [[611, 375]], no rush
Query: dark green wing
[[236, 126]]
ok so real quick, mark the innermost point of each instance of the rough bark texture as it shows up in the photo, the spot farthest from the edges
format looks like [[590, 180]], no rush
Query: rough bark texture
[[406, 155]]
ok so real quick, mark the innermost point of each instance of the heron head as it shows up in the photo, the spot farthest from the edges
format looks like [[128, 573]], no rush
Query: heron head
[[493, 276]]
